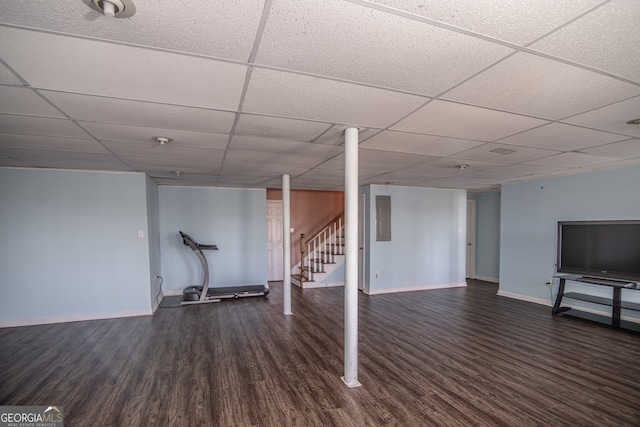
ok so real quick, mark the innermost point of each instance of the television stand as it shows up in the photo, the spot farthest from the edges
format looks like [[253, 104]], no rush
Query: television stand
[[616, 303]]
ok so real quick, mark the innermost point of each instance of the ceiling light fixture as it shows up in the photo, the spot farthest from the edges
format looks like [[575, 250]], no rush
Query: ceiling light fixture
[[462, 167], [177, 173], [162, 140], [113, 8], [502, 151]]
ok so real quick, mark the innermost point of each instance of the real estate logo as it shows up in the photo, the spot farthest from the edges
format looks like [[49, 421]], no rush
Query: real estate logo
[[31, 416]]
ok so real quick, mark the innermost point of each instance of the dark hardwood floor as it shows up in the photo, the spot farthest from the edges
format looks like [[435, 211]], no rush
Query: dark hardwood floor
[[450, 357]]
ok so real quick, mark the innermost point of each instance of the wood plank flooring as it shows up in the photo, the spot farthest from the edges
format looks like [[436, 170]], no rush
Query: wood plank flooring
[[450, 357]]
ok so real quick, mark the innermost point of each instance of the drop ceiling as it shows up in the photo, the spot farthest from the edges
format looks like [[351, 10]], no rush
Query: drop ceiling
[[248, 90]]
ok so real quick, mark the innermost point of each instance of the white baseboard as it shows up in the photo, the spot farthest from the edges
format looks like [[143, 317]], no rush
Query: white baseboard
[[415, 288], [527, 298], [315, 285], [71, 318], [171, 292], [487, 279]]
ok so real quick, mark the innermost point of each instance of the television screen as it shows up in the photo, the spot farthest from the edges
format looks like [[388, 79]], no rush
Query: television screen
[[609, 249]]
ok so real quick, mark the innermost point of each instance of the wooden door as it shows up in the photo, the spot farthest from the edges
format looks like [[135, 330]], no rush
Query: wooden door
[[274, 240]]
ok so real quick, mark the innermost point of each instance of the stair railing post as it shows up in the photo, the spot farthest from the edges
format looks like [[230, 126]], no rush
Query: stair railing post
[[303, 247]]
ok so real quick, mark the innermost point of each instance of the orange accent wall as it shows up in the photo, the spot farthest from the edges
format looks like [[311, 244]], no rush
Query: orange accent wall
[[310, 212]]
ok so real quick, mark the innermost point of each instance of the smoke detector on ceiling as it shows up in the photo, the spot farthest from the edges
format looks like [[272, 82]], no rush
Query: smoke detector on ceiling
[[162, 140], [113, 8]]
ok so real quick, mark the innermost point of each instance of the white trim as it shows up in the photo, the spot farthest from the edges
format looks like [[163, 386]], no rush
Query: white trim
[[487, 279], [318, 285], [415, 288], [527, 298], [71, 318], [171, 292]]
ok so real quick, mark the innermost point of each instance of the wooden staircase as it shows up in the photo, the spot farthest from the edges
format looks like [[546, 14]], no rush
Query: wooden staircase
[[321, 255]]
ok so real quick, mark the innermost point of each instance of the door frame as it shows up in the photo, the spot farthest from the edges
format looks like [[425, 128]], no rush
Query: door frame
[[277, 203], [471, 240], [361, 240]]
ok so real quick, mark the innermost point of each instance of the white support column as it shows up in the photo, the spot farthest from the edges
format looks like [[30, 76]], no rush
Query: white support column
[[351, 258], [286, 240]]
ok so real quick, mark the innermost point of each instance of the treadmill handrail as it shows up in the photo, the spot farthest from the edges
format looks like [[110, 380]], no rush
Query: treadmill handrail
[[188, 240], [197, 249]]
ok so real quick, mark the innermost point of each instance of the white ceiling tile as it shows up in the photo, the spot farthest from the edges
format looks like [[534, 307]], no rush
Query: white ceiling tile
[[623, 149], [351, 48], [305, 97], [516, 171], [99, 68], [7, 77], [450, 167], [195, 180], [491, 152], [612, 118], [401, 178], [390, 158], [571, 160], [122, 111], [181, 138], [170, 164], [7, 162], [40, 126], [51, 143], [558, 136], [414, 143], [335, 135], [257, 158], [236, 170], [276, 127], [224, 29], [250, 143], [465, 121], [603, 39], [517, 21], [538, 86], [67, 159], [461, 181], [614, 165], [20, 100], [174, 152]]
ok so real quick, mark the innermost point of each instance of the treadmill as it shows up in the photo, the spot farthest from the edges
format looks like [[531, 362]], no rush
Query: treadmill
[[203, 293]]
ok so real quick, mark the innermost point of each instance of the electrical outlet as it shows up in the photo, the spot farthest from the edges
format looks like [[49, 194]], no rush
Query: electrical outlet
[[548, 282]]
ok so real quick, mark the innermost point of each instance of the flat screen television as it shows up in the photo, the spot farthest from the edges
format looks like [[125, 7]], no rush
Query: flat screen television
[[604, 249]]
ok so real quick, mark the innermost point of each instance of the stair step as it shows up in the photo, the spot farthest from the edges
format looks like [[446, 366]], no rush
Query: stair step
[[299, 278]]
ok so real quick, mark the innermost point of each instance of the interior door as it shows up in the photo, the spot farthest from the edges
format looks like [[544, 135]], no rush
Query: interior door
[[274, 240], [471, 239], [361, 242]]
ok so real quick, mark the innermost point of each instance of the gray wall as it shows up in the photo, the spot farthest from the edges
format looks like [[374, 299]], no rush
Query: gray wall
[[232, 219], [530, 212], [70, 248], [428, 239]]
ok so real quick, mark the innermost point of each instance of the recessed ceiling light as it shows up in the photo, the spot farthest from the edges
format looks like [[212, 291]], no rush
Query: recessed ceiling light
[[162, 140], [502, 151], [177, 173], [462, 167], [113, 8]]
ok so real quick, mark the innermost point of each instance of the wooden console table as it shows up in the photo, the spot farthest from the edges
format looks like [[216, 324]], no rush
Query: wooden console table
[[616, 302]]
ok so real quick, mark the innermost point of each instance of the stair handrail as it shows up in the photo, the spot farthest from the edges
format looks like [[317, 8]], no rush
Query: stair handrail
[[321, 248]]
